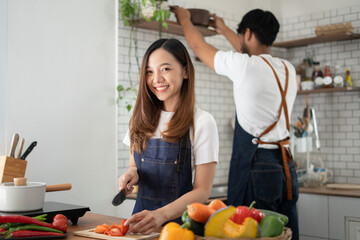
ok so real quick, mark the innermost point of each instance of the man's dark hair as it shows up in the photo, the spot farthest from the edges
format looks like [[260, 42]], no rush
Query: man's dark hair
[[263, 23]]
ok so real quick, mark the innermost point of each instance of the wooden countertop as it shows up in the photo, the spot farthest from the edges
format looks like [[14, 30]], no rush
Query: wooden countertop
[[88, 221], [323, 190]]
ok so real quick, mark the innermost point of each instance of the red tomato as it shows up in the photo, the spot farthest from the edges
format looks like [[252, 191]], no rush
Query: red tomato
[[124, 228], [115, 232], [59, 216], [61, 224]]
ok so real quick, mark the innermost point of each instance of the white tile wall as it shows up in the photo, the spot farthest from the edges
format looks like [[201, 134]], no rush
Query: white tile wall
[[338, 113]]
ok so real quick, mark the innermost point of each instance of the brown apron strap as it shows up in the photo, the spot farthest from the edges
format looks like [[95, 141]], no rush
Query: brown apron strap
[[284, 153]]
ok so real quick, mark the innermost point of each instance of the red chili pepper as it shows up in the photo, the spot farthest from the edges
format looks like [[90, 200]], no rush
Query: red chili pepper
[[243, 212], [29, 233], [60, 222], [23, 219], [2, 230], [124, 228]]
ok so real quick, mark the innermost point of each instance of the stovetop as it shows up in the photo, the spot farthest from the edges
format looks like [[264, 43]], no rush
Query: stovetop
[[72, 212]]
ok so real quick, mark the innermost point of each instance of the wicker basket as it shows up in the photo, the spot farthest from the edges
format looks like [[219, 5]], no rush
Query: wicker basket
[[287, 235]]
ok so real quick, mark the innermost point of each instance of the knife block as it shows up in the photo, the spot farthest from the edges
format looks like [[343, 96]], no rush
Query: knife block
[[11, 168]]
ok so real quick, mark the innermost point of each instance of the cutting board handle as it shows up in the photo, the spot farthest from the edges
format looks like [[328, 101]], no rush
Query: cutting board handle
[[58, 187]]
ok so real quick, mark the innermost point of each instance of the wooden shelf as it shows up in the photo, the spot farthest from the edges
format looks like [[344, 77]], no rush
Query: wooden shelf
[[321, 90], [173, 27], [342, 36]]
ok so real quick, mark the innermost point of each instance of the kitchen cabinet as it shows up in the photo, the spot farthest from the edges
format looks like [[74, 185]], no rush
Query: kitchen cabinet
[[313, 215], [352, 228], [173, 27], [328, 217], [339, 209]]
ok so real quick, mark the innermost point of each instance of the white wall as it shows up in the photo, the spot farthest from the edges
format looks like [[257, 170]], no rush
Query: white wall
[[58, 88]]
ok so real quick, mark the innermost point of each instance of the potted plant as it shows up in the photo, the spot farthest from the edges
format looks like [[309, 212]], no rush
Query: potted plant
[[132, 11]]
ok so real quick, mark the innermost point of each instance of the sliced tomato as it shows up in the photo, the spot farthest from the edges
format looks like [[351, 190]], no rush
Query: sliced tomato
[[115, 232]]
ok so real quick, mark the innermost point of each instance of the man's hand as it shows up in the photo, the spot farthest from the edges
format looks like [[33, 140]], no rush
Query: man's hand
[[181, 14], [217, 23]]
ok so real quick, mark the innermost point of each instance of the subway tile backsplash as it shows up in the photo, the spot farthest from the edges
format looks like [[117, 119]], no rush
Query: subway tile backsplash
[[337, 114]]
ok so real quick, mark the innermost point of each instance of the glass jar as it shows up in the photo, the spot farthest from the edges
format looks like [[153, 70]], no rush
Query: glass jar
[[317, 71], [327, 81]]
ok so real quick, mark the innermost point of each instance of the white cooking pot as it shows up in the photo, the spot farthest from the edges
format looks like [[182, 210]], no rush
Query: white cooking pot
[[28, 197]]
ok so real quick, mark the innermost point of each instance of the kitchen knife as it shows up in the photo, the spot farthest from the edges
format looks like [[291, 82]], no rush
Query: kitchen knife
[[119, 198], [14, 142], [28, 150], [20, 147]]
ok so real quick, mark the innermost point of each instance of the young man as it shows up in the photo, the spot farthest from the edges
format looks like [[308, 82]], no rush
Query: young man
[[261, 167]]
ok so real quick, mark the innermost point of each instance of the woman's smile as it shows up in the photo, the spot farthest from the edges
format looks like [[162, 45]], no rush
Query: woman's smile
[[161, 89]]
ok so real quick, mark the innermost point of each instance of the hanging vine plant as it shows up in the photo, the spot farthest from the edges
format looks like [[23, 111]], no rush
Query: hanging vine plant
[[131, 12]]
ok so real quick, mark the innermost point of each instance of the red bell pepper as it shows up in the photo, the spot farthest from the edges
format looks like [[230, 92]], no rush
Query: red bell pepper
[[124, 228], [243, 212]]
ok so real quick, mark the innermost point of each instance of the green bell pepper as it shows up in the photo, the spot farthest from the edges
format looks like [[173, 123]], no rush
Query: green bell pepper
[[271, 226], [189, 223], [282, 217]]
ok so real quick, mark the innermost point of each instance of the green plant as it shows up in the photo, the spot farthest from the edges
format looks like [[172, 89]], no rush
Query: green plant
[[132, 11]]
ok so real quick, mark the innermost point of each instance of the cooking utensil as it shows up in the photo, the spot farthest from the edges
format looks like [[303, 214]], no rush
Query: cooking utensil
[[14, 142], [28, 150], [119, 198], [199, 16], [28, 197], [317, 138], [20, 147]]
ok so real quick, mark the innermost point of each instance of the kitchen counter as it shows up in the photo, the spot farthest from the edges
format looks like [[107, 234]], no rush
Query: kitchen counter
[[88, 221], [323, 190]]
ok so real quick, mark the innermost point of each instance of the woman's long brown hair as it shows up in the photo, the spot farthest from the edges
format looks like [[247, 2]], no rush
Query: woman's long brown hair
[[145, 118]]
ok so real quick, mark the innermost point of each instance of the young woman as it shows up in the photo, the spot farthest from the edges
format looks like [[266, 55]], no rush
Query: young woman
[[173, 144]]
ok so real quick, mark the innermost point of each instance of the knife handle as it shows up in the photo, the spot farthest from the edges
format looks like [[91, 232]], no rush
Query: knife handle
[[14, 142], [20, 148], [28, 150]]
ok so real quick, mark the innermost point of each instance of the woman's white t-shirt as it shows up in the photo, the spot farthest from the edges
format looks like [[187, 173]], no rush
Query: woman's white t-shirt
[[204, 144], [256, 93]]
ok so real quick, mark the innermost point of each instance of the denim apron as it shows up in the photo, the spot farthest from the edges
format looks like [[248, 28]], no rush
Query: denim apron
[[165, 173], [258, 174]]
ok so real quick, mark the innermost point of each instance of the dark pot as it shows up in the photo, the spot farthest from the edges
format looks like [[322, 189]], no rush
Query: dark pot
[[199, 16]]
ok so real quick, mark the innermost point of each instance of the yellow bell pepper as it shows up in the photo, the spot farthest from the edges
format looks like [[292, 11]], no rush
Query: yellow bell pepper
[[173, 231], [248, 229]]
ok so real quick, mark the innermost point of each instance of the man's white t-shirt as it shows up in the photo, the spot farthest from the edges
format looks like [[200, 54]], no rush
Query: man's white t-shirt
[[204, 145], [256, 93]]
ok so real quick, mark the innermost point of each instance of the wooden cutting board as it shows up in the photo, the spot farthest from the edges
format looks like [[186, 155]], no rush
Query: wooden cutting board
[[91, 234], [343, 186]]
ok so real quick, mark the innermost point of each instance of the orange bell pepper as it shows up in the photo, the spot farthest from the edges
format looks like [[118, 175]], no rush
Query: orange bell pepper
[[173, 231]]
